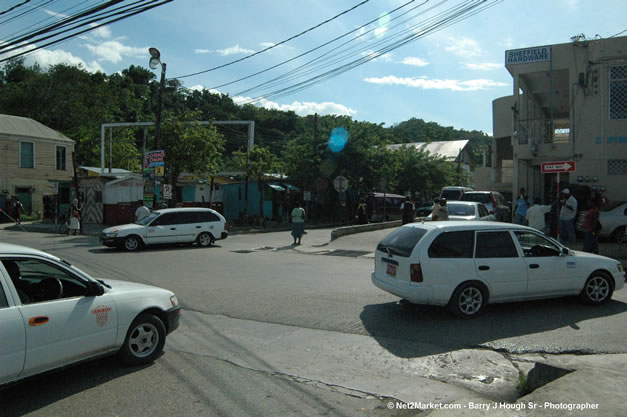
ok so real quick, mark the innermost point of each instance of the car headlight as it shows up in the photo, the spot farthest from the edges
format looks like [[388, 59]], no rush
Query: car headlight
[[174, 301], [620, 268], [111, 234]]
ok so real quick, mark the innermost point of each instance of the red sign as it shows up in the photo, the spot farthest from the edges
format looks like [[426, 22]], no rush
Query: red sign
[[563, 166]]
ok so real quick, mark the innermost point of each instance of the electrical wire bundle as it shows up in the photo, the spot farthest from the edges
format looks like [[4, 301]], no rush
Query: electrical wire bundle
[[65, 23]]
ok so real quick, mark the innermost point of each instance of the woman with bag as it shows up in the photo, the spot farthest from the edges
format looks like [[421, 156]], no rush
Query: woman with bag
[[593, 226], [298, 223]]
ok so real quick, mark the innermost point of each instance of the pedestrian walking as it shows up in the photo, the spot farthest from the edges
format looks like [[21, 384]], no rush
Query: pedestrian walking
[[567, 217], [141, 211], [535, 215], [521, 207], [17, 210], [362, 212], [593, 226], [298, 223], [408, 211], [75, 218]]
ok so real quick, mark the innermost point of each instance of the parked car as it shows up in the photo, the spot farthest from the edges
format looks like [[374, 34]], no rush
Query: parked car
[[494, 202], [178, 225], [454, 193], [466, 265], [467, 210], [614, 223], [384, 206], [425, 208], [52, 314]]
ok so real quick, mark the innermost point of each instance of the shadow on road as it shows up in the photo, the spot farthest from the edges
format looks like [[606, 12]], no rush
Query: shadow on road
[[37, 392], [433, 330]]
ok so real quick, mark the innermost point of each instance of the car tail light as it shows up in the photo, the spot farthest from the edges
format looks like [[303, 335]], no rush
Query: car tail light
[[493, 203], [415, 272]]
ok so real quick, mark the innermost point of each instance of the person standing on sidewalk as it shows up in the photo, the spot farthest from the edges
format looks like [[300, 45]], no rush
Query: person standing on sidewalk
[[593, 226], [535, 215], [408, 211], [75, 218], [141, 211], [520, 210], [567, 217], [298, 223]]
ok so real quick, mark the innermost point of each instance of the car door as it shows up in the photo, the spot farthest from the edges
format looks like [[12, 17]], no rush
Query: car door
[[189, 225], [498, 263], [163, 229], [13, 337], [549, 271], [63, 330]]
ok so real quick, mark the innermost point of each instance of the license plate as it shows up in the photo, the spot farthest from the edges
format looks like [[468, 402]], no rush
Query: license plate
[[391, 270]]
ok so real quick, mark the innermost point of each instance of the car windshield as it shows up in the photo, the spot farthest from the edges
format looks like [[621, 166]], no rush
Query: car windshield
[[478, 197], [451, 194], [147, 219], [402, 241], [460, 209]]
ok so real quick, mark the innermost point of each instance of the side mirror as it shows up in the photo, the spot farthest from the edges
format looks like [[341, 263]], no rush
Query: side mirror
[[94, 289], [565, 252]]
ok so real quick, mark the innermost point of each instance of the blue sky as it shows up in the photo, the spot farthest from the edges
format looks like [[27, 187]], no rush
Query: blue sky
[[449, 76]]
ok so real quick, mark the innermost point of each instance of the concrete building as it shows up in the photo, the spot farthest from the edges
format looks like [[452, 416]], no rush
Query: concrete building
[[569, 103], [35, 163], [454, 151]]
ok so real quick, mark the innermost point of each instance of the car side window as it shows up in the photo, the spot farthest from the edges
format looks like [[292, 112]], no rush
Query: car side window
[[164, 220], [453, 245], [495, 245], [534, 245], [483, 211], [38, 281], [211, 217], [186, 217]]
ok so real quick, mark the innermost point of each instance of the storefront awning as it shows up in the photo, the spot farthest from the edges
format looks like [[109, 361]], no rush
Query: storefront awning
[[276, 187]]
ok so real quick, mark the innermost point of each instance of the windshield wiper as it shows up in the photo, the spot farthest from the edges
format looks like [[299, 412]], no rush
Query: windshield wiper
[[104, 283]]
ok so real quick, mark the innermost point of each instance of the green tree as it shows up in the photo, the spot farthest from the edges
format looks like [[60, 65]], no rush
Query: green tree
[[190, 146], [258, 163]]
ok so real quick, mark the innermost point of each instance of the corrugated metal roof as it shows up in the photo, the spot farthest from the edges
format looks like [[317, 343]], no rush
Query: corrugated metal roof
[[115, 172], [447, 149], [29, 128]]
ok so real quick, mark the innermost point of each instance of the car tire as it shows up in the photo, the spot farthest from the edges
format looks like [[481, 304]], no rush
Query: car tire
[[597, 289], [205, 239], [468, 300], [131, 243], [620, 236], [144, 340]]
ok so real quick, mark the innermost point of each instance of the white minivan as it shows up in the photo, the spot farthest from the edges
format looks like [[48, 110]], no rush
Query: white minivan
[[178, 225]]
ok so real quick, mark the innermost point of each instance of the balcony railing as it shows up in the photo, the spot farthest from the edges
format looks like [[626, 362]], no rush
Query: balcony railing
[[539, 131]]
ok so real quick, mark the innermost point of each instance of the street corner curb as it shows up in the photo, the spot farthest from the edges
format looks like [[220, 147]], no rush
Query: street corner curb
[[349, 230]]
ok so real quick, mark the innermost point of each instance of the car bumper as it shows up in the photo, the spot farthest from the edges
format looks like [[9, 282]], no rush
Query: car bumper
[[173, 316], [414, 293], [224, 235], [111, 241]]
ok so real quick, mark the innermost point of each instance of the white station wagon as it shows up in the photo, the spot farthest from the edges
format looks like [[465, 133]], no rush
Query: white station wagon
[[52, 314], [466, 264], [178, 225]]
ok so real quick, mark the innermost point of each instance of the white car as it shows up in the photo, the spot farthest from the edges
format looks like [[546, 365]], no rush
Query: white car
[[466, 210], [467, 264], [52, 314], [178, 225]]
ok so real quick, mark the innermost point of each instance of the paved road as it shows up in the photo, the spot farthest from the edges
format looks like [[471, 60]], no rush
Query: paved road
[[263, 309]]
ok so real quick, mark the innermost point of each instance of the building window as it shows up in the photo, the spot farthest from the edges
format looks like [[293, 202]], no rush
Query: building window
[[61, 158], [617, 167], [27, 155], [618, 92]]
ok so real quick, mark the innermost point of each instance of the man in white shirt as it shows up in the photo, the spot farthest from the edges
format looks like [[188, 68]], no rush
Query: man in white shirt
[[141, 211], [535, 215], [567, 217]]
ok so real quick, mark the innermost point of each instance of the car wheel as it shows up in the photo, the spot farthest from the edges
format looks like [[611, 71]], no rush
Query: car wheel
[[468, 300], [144, 340], [597, 290], [132, 243], [620, 236], [205, 239]]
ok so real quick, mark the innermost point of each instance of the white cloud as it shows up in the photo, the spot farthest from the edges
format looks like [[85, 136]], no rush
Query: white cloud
[[46, 58], [59, 16], [486, 66], [114, 51], [234, 50], [429, 84], [384, 58], [416, 62], [202, 51], [298, 107], [465, 47], [103, 32]]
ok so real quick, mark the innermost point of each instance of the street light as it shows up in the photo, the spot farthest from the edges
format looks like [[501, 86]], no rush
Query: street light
[[154, 63]]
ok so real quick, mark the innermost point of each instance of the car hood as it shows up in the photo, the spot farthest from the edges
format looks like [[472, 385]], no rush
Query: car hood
[[118, 286], [588, 255], [124, 228]]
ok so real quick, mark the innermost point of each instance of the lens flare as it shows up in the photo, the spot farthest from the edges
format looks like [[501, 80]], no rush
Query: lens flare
[[338, 139]]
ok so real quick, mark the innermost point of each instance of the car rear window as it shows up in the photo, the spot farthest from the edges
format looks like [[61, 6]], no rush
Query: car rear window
[[402, 241], [460, 209], [451, 194], [479, 198]]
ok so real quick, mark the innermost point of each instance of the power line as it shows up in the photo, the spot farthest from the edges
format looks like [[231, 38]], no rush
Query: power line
[[275, 45], [10, 9]]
